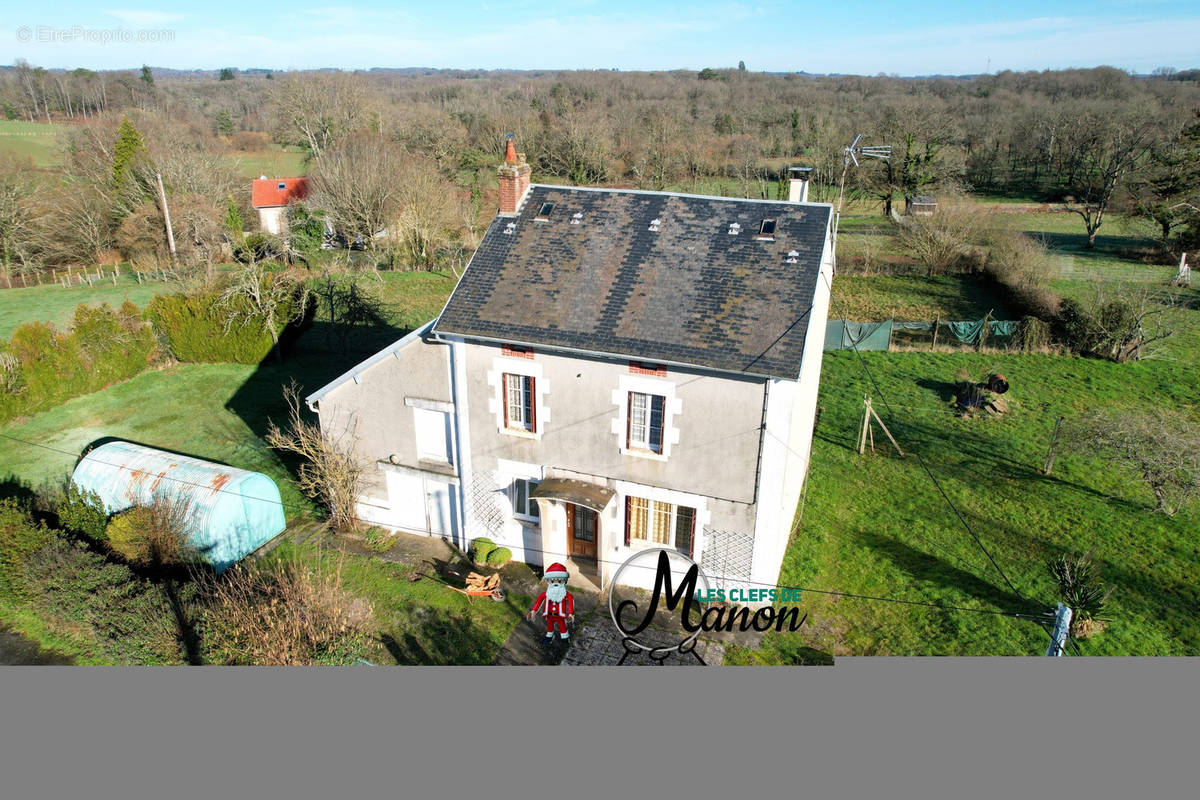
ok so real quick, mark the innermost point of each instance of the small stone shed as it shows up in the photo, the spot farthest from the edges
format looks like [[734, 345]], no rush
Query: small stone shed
[[233, 511]]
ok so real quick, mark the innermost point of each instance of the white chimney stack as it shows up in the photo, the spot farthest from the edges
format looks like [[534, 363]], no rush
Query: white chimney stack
[[798, 184]]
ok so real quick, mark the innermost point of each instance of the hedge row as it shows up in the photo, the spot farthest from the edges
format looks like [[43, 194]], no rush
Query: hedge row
[[42, 367]]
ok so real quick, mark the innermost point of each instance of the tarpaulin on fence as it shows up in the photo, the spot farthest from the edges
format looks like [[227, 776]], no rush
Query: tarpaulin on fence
[[841, 334]]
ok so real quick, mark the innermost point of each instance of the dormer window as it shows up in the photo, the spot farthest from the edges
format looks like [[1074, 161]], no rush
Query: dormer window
[[544, 212]]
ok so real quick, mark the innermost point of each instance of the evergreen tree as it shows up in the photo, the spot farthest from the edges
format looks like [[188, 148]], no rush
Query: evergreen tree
[[147, 75], [129, 147]]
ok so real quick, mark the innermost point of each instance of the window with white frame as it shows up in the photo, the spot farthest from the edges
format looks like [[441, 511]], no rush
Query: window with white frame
[[523, 504], [646, 422], [519, 411], [651, 522]]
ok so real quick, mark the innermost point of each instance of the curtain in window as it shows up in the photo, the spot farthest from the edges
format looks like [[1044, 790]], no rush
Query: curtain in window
[[637, 418], [638, 516], [661, 529]]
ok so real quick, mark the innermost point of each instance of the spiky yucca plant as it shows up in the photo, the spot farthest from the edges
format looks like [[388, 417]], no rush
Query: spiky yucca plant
[[1079, 585]]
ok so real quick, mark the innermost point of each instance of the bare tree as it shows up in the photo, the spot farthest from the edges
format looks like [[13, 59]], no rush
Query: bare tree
[[359, 184], [944, 242], [1104, 146], [431, 214], [22, 217], [1119, 323], [331, 472], [315, 111], [1162, 447], [267, 299]]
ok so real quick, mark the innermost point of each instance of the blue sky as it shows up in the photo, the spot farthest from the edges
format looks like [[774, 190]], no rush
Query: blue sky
[[848, 36]]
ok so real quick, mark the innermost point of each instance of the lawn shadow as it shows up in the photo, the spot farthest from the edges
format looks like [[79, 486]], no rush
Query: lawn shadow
[[929, 569], [439, 638]]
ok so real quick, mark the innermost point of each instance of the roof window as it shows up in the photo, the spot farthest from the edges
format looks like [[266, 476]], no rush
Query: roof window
[[281, 185], [544, 212], [766, 230]]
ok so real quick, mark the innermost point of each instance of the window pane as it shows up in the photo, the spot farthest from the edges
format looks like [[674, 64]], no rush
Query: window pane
[[638, 516], [637, 419], [527, 395], [656, 422], [533, 504], [662, 523], [684, 518], [520, 504]]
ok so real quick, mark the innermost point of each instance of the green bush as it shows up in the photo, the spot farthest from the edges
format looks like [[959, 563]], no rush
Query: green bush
[[20, 538], [499, 557], [481, 548], [193, 329], [126, 534], [82, 512], [49, 367]]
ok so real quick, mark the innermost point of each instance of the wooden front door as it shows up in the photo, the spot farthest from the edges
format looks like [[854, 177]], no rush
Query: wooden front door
[[582, 526]]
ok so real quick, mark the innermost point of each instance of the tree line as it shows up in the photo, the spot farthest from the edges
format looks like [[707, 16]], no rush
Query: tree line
[[1091, 140]]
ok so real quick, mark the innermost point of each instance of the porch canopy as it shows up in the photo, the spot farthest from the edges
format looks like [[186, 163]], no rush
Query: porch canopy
[[581, 493]]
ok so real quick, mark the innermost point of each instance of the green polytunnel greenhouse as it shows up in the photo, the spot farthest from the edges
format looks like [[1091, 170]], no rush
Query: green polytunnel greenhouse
[[232, 512]]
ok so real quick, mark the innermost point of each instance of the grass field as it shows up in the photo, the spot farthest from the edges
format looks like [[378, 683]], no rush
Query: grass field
[[912, 298], [53, 303], [34, 140], [275, 162], [876, 525]]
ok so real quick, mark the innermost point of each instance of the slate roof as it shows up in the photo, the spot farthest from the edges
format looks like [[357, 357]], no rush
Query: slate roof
[[688, 293]]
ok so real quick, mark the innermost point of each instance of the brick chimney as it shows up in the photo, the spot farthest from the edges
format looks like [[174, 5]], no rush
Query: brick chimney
[[514, 179]]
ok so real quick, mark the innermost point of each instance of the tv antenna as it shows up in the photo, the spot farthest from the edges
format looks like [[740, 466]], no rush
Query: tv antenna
[[851, 155]]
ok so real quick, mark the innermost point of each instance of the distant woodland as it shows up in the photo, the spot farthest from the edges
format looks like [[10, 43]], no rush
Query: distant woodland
[[413, 152]]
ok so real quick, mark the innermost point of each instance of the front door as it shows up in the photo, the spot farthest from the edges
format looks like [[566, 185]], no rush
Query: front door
[[581, 531]]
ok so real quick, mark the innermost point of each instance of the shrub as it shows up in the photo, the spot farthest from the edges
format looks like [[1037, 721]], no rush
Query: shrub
[[193, 328], [82, 512], [103, 346], [292, 612], [943, 242], [20, 537], [499, 557], [481, 548], [153, 535]]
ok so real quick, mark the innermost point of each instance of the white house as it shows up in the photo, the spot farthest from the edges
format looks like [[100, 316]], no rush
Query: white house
[[271, 197], [616, 370]]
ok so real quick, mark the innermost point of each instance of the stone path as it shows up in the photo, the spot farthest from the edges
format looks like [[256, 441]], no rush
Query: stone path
[[599, 644]]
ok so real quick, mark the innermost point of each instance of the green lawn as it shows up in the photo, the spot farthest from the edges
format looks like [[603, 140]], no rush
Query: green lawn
[[274, 163], [414, 298], [211, 411], [53, 303], [870, 298], [35, 140], [876, 525]]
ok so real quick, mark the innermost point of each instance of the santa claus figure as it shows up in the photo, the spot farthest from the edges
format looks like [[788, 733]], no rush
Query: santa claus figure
[[555, 604]]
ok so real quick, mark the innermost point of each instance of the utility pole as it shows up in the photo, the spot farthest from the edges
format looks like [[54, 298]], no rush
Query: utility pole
[[162, 196], [1062, 627]]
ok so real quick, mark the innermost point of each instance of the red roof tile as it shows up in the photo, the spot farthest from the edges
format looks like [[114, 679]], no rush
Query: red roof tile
[[266, 192]]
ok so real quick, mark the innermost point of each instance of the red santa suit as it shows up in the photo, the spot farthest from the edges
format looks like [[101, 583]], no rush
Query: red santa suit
[[555, 612]]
